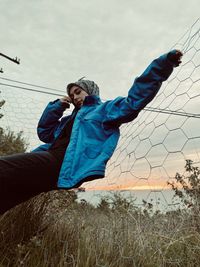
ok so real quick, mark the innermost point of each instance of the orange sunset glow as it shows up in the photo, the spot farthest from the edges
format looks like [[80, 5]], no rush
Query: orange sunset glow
[[141, 184]]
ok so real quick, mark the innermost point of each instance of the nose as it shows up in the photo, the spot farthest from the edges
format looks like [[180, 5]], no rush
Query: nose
[[75, 97]]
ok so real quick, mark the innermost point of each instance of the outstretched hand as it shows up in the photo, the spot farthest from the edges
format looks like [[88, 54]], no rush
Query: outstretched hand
[[175, 57]]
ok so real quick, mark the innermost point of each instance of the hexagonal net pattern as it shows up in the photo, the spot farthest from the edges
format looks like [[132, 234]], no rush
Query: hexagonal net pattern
[[155, 146], [152, 148], [24, 104]]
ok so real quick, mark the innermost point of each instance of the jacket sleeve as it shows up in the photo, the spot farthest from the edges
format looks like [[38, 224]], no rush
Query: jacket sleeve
[[143, 90], [49, 121]]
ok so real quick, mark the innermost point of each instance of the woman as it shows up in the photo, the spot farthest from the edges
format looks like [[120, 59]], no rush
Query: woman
[[77, 147]]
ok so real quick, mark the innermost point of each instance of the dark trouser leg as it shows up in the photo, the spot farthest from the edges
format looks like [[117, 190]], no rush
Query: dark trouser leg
[[23, 176]]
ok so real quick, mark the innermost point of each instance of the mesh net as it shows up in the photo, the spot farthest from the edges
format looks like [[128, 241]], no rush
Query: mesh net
[[151, 149], [156, 145]]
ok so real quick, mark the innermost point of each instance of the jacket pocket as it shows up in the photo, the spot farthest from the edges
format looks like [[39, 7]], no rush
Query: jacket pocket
[[92, 151]]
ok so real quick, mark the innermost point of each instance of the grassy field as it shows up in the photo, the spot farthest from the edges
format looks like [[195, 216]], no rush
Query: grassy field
[[52, 229]]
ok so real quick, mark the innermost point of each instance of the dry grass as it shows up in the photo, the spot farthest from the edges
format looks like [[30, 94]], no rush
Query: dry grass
[[54, 230]]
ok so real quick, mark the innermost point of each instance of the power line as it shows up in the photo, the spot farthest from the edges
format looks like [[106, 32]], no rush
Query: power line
[[151, 109], [34, 85], [173, 112], [29, 89]]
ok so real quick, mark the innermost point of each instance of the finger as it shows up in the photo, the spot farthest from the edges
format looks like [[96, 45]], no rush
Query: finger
[[179, 53], [67, 99]]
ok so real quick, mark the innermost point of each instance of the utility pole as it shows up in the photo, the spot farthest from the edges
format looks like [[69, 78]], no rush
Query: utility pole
[[15, 60]]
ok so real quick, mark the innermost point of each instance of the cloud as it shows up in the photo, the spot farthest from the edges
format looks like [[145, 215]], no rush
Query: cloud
[[109, 41]]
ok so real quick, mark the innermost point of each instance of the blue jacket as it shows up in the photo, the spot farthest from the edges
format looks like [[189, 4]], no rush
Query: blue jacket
[[95, 131]]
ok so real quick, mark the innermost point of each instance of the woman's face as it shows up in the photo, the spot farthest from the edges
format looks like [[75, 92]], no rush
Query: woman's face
[[77, 95]]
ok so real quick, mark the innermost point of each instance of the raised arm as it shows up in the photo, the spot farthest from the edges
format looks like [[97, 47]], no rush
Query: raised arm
[[143, 90]]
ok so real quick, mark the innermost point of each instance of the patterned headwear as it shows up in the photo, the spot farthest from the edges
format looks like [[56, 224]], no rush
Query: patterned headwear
[[90, 87]]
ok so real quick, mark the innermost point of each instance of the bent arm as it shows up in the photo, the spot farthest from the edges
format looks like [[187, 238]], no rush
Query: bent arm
[[143, 90], [50, 121]]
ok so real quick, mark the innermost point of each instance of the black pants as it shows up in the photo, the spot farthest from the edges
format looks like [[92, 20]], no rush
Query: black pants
[[23, 176]]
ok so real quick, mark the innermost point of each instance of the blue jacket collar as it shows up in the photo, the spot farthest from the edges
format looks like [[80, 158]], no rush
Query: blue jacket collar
[[92, 100]]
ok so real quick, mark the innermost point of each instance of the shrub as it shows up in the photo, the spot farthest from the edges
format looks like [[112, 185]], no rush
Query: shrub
[[11, 142]]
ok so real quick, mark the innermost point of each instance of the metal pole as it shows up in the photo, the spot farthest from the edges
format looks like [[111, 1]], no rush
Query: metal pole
[[15, 60]]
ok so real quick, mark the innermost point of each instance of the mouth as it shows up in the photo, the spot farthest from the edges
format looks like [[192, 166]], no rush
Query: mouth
[[79, 103]]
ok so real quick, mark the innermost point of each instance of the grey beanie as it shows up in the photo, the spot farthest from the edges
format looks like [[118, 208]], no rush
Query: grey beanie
[[90, 87]]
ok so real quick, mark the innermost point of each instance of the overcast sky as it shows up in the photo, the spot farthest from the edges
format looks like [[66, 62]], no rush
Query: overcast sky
[[109, 41]]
